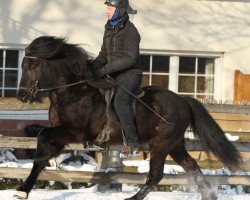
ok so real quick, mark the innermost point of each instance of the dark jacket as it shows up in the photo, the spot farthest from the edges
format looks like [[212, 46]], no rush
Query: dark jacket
[[120, 48]]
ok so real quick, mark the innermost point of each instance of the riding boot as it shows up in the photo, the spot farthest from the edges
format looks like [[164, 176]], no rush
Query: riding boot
[[129, 128], [123, 103]]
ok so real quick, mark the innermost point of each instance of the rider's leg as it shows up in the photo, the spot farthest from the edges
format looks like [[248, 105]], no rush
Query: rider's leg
[[123, 103]]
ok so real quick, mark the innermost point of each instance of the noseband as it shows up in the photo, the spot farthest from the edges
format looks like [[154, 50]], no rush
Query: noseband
[[34, 89]]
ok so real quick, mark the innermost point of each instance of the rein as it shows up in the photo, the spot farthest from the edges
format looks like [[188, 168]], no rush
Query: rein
[[62, 86]]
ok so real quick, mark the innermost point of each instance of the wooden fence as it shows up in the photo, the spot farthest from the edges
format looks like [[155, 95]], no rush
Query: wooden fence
[[117, 177], [241, 86]]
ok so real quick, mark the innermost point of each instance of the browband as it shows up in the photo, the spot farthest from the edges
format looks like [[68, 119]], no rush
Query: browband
[[32, 57]]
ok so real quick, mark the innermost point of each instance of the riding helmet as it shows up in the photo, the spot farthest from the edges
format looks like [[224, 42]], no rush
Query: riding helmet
[[121, 4]]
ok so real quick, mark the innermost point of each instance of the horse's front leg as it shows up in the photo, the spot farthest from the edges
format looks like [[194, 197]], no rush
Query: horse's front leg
[[48, 146], [25, 188]]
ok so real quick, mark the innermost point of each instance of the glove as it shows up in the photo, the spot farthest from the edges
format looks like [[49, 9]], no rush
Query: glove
[[93, 64], [103, 71]]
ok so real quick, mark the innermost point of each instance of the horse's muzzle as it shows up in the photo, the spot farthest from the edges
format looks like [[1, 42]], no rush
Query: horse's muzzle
[[24, 96]]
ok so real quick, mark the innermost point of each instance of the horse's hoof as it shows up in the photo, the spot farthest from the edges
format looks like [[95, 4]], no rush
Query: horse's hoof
[[131, 198], [210, 197], [21, 195]]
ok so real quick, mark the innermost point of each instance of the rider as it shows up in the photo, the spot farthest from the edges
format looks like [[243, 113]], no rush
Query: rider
[[120, 58]]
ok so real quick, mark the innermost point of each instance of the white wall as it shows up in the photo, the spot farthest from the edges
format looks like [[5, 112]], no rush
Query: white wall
[[198, 25], [81, 21]]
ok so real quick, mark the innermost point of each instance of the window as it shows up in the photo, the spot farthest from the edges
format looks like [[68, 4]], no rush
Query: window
[[156, 70], [192, 74], [10, 61], [196, 77]]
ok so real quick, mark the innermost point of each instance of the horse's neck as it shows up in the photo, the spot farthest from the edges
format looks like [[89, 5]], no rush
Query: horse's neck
[[83, 104], [76, 92]]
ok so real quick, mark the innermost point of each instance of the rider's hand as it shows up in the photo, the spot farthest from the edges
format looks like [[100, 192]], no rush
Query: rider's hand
[[103, 71]]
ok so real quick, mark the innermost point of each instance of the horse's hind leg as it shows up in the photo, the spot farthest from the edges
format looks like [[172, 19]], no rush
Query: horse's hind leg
[[181, 156], [158, 155], [46, 149]]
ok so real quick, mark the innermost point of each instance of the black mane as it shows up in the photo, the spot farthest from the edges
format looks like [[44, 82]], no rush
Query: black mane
[[58, 50], [51, 47]]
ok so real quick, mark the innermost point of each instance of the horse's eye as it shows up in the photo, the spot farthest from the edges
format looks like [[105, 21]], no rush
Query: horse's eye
[[25, 66], [31, 64]]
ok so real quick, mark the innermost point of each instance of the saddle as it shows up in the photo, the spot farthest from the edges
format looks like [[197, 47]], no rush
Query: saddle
[[109, 98]]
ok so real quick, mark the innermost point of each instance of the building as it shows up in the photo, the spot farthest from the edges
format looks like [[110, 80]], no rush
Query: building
[[192, 47]]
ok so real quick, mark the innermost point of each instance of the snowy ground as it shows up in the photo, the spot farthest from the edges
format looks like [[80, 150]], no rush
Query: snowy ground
[[224, 193], [92, 194]]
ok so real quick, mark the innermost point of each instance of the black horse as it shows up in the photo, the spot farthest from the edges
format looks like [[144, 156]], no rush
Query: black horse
[[60, 70]]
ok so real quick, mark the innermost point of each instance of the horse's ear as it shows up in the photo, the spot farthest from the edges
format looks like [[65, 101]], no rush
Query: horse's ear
[[89, 63]]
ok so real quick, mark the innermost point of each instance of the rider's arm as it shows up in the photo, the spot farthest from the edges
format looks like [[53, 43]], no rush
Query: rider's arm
[[101, 59]]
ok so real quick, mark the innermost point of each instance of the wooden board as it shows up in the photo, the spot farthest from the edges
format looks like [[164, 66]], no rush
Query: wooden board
[[116, 177], [232, 121], [31, 143]]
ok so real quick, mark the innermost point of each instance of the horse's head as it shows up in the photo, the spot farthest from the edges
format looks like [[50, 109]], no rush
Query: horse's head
[[31, 74], [50, 62]]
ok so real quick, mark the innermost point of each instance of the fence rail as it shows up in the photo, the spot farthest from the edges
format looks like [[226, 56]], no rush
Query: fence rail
[[119, 177], [31, 143]]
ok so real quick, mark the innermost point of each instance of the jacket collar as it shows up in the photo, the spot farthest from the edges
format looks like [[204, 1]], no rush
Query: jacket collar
[[118, 27]]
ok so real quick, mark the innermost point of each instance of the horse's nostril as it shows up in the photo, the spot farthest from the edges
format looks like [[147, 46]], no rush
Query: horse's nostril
[[23, 97]]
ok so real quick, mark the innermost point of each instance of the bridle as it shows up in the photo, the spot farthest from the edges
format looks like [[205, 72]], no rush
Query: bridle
[[34, 89]]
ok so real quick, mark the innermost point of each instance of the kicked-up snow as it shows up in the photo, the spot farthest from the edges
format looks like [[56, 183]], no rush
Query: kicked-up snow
[[128, 191]]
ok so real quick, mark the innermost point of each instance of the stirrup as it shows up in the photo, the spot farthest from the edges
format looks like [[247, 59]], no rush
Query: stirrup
[[104, 136], [128, 152], [87, 145]]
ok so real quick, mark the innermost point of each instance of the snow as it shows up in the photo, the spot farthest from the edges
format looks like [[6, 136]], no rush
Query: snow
[[128, 191], [190, 135], [231, 137], [225, 193], [7, 155], [143, 167]]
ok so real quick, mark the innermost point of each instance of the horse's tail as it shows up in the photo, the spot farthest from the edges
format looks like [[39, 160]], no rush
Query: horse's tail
[[211, 135], [33, 130]]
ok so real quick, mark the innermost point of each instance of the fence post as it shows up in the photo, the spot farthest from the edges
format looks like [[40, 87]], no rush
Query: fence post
[[115, 165], [111, 161]]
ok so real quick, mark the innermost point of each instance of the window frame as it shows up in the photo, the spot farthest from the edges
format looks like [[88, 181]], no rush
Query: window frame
[[151, 73], [196, 75], [174, 56], [16, 114], [21, 53]]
